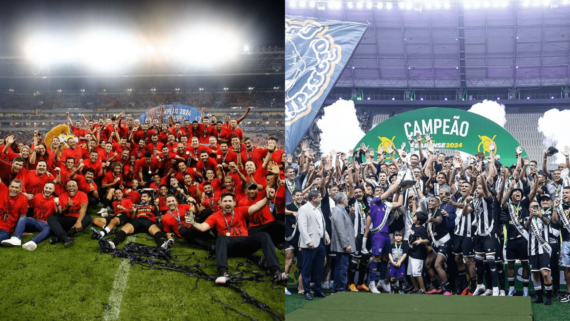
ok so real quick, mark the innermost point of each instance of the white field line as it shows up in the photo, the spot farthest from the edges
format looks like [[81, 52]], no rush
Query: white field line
[[118, 288]]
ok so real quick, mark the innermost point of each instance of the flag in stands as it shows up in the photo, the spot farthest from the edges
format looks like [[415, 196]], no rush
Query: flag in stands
[[316, 53], [162, 113]]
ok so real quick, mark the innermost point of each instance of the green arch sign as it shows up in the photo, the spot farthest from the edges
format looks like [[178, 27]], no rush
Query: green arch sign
[[452, 129]]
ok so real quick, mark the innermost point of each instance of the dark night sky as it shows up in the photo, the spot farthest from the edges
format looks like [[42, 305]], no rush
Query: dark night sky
[[262, 21]]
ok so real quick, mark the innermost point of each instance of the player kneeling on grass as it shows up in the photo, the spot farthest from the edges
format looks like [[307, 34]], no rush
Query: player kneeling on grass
[[144, 219], [74, 217], [123, 209], [397, 269], [44, 206], [233, 239]]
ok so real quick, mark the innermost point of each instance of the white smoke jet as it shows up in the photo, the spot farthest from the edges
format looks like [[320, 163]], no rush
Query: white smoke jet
[[554, 126], [491, 110], [340, 127]]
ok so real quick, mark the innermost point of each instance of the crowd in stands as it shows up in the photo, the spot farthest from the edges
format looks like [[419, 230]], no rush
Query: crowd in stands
[[175, 180], [137, 100]]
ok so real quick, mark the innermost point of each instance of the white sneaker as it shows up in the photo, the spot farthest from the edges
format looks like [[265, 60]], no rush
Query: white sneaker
[[223, 279], [325, 286], [103, 210], [495, 291], [104, 214], [384, 286], [13, 241], [30, 246], [479, 290], [502, 293], [287, 292], [373, 288], [487, 293], [364, 251]]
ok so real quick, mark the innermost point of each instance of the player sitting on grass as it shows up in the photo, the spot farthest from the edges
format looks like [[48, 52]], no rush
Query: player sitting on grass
[[397, 269], [233, 239], [144, 219], [123, 209], [44, 205]]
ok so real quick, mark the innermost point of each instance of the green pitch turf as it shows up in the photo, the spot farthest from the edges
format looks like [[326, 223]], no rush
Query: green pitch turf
[[347, 306], [54, 283], [295, 302]]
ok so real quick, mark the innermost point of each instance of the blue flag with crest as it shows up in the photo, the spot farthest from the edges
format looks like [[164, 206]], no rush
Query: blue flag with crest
[[316, 53]]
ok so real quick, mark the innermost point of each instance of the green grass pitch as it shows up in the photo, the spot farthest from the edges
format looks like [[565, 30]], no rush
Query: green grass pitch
[[54, 283]]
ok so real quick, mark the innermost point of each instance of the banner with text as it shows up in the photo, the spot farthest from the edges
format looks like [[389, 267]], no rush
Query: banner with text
[[162, 113], [452, 129]]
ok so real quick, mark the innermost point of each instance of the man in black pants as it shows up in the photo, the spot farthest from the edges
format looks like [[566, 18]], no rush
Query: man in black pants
[[233, 239], [74, 217], [143, 221], [174, 221]]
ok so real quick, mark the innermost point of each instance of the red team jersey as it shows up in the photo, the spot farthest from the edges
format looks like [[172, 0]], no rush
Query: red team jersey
[[237, 228], [78, 199]]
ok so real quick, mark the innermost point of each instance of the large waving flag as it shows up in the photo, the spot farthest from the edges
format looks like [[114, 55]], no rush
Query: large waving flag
[[316, 53]]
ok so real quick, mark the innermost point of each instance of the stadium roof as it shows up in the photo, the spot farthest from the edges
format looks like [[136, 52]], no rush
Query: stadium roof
[[507, 44]]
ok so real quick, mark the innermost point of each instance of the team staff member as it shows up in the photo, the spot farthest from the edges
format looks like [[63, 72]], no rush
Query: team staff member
[[233, 238], [74, 217], [312, 239]]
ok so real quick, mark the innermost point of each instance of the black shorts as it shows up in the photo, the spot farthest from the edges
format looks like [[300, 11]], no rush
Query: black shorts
[[142, 225], [539, 262], [444, 249], [485, 244], [293, 243], [123, 218], [517, 249], [463, 245], [498, 250]]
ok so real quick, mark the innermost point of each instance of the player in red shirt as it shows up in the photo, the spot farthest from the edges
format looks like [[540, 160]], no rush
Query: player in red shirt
[[44, 206], [231, 226], [87, 185], [122, 210], [210, 200], [174, 221], [13, 205], [145, 168], [206, 162], [144, 219], [154, 147], [16, 170], [262, 220], [74, 217], [73, 151], [252, 153], [37, 179], [226, 156], [112, 180], [235, 131]]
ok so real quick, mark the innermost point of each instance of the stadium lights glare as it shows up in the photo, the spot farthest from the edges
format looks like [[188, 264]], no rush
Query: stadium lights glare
[[349, 5], [545, 2], [246, 48], [359, 5], [409, 5], [380, 5], [467, 4], [276, 88], [536, 3], [438, 5], [504, 3], [428, 5], [302, 4], [293, 4], [401, 4], [446, 5], [486, 4], [389, 5], [369, 5], [59, 90], [11, 90], [226, 88], [177, 89], [250, 88], [312, 4], [82, 90]]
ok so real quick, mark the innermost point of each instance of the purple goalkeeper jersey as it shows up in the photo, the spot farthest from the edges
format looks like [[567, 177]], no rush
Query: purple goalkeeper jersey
[[379, 211]]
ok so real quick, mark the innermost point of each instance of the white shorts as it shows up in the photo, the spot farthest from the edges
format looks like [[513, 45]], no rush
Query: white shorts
[[415, 267]]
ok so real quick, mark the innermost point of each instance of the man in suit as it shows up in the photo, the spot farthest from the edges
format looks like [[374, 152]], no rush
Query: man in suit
[[343, 243], [312, 239]]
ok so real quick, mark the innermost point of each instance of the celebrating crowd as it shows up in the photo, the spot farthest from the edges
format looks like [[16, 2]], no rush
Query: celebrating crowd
[[417, 222], [171, 180]]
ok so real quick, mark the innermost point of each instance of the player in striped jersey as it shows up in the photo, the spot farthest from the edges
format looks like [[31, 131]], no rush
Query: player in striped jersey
[[539, 252], [463, 244]]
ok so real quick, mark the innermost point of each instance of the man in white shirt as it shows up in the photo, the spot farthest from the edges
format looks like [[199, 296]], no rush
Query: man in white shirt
[[312, 239]]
